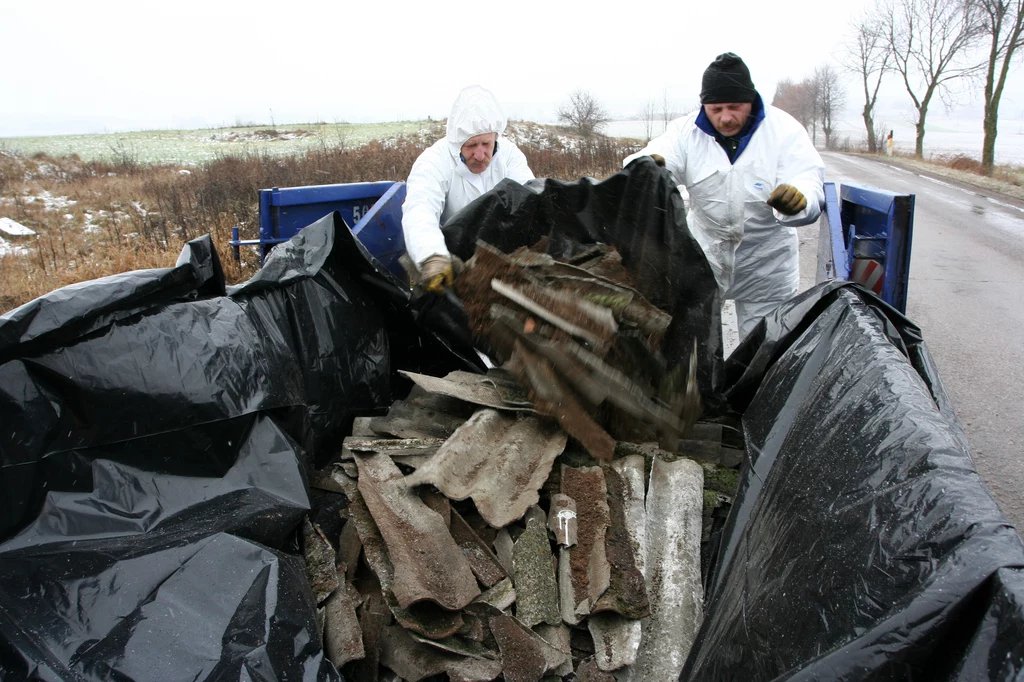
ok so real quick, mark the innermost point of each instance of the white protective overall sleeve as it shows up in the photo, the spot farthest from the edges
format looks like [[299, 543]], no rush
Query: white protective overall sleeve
[[426, 191], [440, 184], [667, 147]]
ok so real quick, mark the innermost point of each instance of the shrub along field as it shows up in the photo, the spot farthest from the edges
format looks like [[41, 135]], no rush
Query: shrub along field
[[97, 215]]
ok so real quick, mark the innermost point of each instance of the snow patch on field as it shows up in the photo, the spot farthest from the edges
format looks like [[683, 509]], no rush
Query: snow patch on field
[[88, 226], [541, 136], [261, 135], [9, 249], [50, 202], [14, 229]]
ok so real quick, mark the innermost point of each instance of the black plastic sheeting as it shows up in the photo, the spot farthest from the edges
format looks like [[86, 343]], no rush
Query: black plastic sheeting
[[862, 543], [155, 440], [638, 211]]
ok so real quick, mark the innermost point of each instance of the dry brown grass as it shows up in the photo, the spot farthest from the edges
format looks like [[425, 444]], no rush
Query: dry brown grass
[[1005, 179], [100, 218], [960, 162]]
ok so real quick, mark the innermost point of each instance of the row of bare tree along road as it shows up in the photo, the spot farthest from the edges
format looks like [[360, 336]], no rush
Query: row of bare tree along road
[[930, 44], [927, 46]]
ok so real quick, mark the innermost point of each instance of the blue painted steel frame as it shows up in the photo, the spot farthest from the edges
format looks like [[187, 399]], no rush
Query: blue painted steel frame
[[285, 211], [380, 230], [373, 210], [868, 222], [833, 261]]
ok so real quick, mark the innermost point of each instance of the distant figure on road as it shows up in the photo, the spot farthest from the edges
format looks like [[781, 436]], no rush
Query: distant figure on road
[[452, 172], [752, 175]]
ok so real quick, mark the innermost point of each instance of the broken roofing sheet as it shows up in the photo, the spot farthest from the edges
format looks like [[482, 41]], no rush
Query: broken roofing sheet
[[498, 460], [428, 564], [674, 508], [495, 389]]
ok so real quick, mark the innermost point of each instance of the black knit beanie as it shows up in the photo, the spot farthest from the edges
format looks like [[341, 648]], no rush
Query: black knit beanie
[[727, 79]]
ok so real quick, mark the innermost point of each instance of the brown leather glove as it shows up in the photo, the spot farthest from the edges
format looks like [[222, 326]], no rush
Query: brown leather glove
[[787, 200], [436, 273], [658, 159]]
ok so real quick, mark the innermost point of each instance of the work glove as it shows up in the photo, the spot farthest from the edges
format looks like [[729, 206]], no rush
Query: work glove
[[787, 200], [436, 274], [658, 159]]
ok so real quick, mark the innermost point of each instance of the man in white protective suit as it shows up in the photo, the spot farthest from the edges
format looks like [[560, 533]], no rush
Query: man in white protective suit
[[752, 175], [471, 159]]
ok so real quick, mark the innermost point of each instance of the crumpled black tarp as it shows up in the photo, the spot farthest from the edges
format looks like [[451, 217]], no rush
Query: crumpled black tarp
[[155, 441], [862, 543], [638, 211]]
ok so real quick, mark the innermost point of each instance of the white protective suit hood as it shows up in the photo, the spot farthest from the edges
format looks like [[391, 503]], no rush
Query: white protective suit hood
[[440, 184], [475, 112]]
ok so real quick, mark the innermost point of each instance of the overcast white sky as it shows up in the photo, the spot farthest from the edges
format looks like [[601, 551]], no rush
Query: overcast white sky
[[108, 65]]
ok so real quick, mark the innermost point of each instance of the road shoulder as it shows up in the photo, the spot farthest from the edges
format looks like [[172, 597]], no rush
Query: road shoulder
[[980, 185]]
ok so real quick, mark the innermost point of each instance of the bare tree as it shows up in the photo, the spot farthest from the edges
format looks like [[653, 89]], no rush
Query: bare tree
[[647, 115], [789, 98], [814, 105], [1002, 22], [930, 42], [869, 57], [830, 98], [583, 113], [798, 100]]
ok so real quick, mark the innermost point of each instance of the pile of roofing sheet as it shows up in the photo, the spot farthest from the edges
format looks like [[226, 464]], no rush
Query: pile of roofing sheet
[[463, 534]]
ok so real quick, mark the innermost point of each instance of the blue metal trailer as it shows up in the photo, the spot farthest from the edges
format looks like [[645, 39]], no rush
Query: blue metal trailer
[[865, 232], [372, 210], [865, 236]]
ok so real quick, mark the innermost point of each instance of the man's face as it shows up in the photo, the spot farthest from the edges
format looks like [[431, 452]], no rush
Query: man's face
[[728, 118], [478, 151]]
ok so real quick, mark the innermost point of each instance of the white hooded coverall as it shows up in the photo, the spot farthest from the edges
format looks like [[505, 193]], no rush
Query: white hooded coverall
[[440, 184], [751, 247]]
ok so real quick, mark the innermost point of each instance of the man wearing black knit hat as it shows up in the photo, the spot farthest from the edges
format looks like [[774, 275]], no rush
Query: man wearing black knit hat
[[752, 175]]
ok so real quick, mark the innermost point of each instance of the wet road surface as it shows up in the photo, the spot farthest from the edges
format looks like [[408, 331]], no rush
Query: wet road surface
[[966, 292]]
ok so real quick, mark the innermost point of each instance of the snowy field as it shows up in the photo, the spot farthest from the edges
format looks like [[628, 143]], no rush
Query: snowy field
[[192, 147], [944, 136]]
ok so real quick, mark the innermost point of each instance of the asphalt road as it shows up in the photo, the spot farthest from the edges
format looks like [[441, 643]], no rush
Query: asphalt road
[[966, 292]]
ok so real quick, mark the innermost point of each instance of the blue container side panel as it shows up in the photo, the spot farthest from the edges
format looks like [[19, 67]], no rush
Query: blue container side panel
[[285, 211], [875, 224], [897, 249], [293, 208], [833, 262], [868, 210], [380, 230], [871, 198], [320, 194]]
